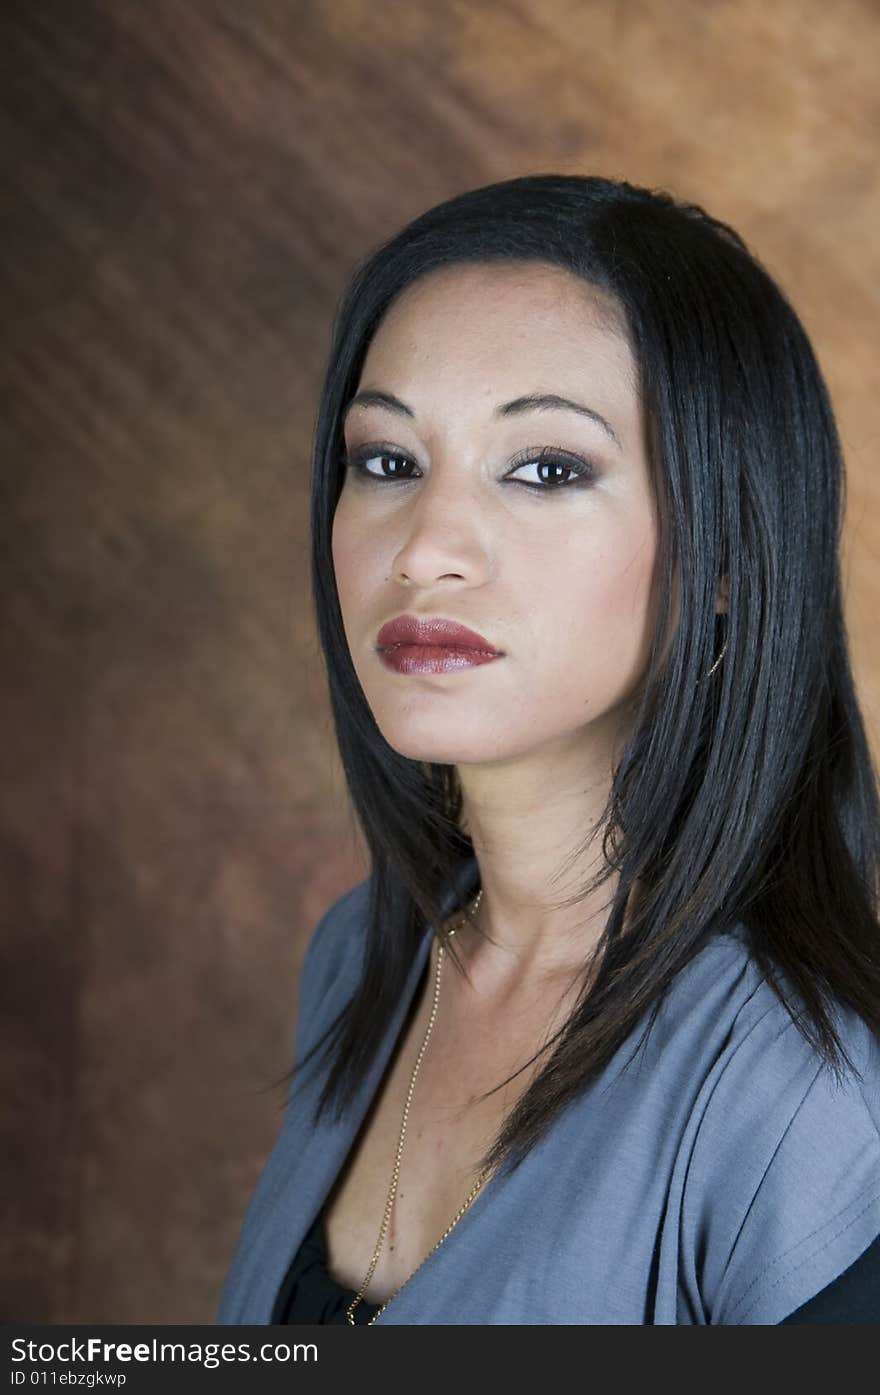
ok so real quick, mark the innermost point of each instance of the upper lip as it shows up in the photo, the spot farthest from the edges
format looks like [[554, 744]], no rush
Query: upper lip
[[414, 629]]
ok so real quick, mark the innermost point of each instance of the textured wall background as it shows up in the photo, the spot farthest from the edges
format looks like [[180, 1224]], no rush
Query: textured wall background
[[186, 187]]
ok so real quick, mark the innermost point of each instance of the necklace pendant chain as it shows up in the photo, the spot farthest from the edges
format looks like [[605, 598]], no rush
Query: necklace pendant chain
[[395, 1172]]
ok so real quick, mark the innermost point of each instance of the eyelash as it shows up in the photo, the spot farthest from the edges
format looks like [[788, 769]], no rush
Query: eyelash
[[581, 469]]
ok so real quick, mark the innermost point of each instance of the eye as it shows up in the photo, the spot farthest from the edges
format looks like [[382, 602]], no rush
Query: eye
[[384, 465], [372, 460], [550, 458]]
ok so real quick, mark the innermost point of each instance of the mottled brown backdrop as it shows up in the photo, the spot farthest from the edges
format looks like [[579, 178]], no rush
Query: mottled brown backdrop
[[186, 185]]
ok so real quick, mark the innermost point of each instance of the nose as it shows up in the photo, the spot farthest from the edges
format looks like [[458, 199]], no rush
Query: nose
[[441, 538]]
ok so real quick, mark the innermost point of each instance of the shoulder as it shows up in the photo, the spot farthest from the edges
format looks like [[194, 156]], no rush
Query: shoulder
[[338, 937], [782, 1189], [764, 1060], [332, 963], [334, 960]]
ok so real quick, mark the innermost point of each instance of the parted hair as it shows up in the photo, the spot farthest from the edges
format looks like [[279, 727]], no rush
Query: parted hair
[[742, 796]]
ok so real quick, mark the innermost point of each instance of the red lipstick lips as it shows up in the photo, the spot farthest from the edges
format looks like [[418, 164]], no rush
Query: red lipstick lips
[[409, 644]]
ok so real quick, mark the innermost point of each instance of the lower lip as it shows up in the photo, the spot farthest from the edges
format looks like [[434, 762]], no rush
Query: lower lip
[[429, 658]]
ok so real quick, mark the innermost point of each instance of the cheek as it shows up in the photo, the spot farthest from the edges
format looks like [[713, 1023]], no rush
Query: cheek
[[351, 552], [592, 608]]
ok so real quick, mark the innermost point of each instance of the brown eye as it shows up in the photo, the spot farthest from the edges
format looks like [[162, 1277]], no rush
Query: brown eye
[[377, 464], [555, 469]]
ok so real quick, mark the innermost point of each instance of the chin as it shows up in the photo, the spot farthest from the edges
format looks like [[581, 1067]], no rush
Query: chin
[[437, 747], [435, 752], [454, 748]]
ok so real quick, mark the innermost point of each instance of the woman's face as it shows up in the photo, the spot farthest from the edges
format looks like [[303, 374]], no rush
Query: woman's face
[[451, 517]]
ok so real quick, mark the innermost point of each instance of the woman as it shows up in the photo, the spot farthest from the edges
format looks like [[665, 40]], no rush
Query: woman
[[631, 801]]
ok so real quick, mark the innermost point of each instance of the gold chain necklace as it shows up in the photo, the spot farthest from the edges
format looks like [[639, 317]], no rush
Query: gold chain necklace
[[395, 1173]]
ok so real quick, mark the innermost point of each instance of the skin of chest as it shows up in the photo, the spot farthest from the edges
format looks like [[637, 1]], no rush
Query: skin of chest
[[474, 1046]]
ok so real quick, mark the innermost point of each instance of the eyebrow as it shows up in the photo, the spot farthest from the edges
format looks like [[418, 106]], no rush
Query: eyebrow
[[532, 402]]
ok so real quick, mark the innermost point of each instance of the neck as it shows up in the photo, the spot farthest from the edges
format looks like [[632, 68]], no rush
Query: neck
[[533, 832]]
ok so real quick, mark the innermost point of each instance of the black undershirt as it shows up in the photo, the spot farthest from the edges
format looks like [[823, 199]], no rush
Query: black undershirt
[[309, 1296]]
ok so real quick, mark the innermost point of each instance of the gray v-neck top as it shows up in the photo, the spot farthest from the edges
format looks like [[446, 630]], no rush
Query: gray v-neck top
[[723, 1177]]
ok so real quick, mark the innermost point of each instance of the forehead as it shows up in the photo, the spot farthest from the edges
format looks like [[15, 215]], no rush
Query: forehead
[[510, 318]]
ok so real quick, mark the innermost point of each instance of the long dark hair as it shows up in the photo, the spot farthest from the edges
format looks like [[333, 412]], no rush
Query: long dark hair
[[745, 795]]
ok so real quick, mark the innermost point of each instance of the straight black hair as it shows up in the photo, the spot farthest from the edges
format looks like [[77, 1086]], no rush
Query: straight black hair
[[743, 796]]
